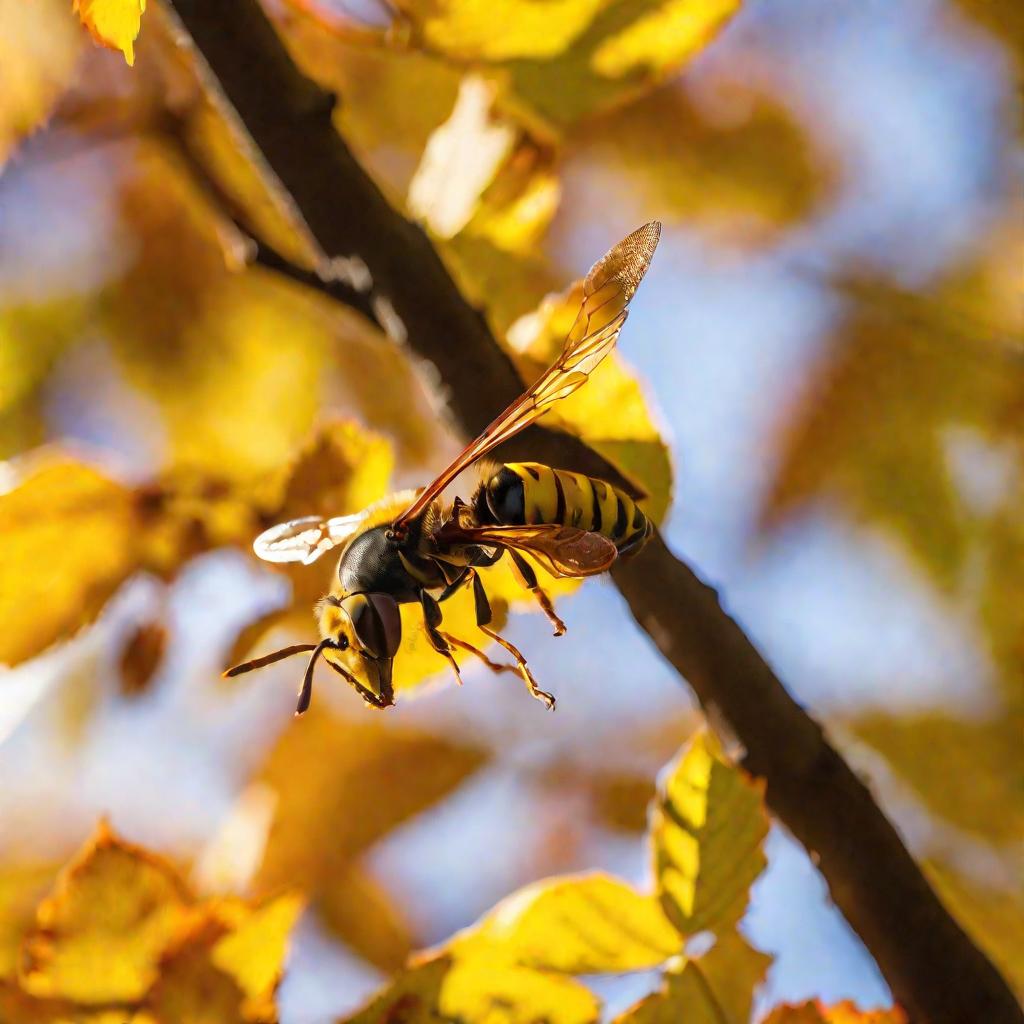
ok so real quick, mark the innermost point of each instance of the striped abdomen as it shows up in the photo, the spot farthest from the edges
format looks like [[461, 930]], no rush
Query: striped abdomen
[[529, 493]]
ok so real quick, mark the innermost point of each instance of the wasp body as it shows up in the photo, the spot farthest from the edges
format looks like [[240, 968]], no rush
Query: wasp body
[[528, 493], [415, 547]]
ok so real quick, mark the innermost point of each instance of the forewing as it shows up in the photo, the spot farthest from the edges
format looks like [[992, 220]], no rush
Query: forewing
[[607, 290], [562, 550], [306, 539]]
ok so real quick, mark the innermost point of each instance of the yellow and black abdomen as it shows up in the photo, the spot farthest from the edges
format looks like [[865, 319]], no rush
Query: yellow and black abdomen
[[522, 493]]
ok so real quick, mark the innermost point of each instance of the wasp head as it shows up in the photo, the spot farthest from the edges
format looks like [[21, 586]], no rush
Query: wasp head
[[360, 635]]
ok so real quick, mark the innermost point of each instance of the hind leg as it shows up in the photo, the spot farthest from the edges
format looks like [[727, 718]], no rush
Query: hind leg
[[528, 578], [483, 619]]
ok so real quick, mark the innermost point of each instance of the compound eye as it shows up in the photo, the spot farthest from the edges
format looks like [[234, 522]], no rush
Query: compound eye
[[376, 623]]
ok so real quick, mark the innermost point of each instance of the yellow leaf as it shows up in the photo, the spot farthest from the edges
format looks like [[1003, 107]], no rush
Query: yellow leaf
[[21, 889], [253, 951], [481, 991], [611, 413], [717, 988], [99, 936], [356, 908], [465, 29], [970, 773], [39, 48], [191, 988], [343, 469], [70, 543], [563, 61], [576, 925], [708, 829], [113, 23], [480, 173]]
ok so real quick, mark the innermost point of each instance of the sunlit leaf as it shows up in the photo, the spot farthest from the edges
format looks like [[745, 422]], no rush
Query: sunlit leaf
[[717, 988], [708, 830], [629, 437], [971, 773], [342, 469], [576, 925], [113, 23], [252, 952], [478, 990], [564, 62], [70, 544], [99, 936], [21, 889], [481, 174], [465, 29], [39, 48]]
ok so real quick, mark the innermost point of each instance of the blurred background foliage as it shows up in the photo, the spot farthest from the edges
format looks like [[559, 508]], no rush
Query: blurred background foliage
[[829, 352]]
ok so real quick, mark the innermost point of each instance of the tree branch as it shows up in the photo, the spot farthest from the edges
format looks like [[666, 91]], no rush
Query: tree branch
[[935, 972]]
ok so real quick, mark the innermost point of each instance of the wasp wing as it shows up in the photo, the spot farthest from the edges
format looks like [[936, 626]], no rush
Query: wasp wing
[[562, 550], [607, 290], [306, 539]]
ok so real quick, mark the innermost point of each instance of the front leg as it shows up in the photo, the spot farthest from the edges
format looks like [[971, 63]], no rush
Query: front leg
[[431, 620]]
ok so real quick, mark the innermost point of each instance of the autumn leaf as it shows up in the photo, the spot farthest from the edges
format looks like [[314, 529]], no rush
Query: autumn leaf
[[121, 927], [343, 785], [992, 916], [115, 905], [708, 830], [71, 542], [630, 439], [39, 49], [841, 1013], [113, 23], [716, 988], [970, 773], [570, 60], [353, 905], [22, 886], [478, 990], [576, 925], [872, 427], [481, 174]]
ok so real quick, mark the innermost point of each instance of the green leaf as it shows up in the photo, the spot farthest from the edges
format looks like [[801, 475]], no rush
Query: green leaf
[[708, 829], [576, 925]]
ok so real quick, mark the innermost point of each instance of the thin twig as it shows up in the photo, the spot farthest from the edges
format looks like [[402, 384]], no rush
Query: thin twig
[[934, 970]]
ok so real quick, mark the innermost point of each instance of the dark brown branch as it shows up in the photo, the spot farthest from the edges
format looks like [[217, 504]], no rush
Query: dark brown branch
[[935, 972]]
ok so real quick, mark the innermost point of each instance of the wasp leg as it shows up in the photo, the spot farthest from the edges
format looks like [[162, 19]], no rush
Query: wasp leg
[[483, 617], [462, 645], [528, 578], [431, 620]]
